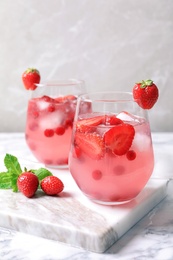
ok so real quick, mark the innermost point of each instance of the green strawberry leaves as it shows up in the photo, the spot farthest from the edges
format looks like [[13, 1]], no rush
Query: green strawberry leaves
[[145, 83], [8, 179]]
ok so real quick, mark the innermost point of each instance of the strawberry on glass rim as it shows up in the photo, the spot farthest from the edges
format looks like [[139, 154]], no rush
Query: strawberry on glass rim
[[30, 78], [146, 93]]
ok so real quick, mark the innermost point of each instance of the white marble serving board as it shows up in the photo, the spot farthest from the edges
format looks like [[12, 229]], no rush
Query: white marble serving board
[[72, 218]]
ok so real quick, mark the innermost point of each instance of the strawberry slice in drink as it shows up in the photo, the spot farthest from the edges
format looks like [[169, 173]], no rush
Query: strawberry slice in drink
[[119, 138], [112, 120], [91, 144], [63, 99], [86, 125]]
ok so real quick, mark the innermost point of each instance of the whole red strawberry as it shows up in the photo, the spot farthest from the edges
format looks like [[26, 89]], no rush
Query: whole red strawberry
[[146, 93], [52, 185], [28, 183], [30, 77]]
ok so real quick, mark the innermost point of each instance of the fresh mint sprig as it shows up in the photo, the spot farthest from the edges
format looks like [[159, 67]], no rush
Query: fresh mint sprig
[[5, 180], [12, 164], [41, 173], [8, 179]]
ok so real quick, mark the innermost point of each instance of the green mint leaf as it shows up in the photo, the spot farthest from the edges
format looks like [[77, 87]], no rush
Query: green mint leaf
[[5, 180], [14, 178], [12, 164], [8, 180], [41, 173]]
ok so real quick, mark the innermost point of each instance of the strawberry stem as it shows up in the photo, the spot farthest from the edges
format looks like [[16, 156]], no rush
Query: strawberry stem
[[32, 70], [145, 83]]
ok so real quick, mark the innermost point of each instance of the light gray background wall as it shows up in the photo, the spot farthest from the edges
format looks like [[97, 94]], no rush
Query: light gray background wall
[[111, 44]]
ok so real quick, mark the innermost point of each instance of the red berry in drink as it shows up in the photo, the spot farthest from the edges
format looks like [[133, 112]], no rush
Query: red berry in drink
[[97, 174], [131, 155], [60, 130], [49, 132]]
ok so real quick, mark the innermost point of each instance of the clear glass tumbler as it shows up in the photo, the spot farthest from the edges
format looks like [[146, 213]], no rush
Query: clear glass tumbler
[[49, 122], [111, 156]]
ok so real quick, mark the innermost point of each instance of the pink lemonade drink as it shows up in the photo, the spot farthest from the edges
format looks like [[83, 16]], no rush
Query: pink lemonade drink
[[49, 127], [111, 157]]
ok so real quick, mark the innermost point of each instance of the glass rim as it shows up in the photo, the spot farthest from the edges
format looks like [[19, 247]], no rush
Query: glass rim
[[114, 96], [60, 83]]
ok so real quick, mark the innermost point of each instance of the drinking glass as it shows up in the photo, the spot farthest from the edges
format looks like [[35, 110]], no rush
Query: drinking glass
[[49, 122], [111, 156]]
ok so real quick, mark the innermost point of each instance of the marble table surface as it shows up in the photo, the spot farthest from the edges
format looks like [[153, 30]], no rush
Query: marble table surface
[[150, 238]]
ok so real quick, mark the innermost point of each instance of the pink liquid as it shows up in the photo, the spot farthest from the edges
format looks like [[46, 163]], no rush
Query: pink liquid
[[48, 129], [115, 178]]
